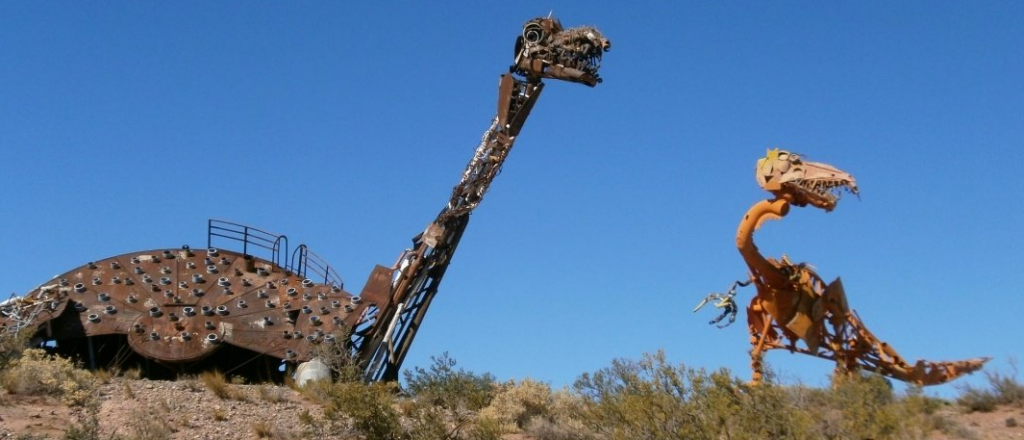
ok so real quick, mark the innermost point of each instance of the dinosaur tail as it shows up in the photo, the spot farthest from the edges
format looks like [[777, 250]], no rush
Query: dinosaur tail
[[879, 356], [858, 347]]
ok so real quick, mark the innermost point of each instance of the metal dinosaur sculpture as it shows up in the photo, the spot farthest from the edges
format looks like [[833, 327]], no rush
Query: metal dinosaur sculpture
[[794, 309], [181, 307]]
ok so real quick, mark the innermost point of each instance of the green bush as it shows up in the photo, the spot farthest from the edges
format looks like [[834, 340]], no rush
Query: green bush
[[449, 388]]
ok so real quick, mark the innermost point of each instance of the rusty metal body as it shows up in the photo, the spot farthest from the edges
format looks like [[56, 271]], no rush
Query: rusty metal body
[[179, 306], [794, 309]]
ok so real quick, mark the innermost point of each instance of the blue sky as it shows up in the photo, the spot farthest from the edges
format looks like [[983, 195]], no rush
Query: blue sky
[[344, 125]]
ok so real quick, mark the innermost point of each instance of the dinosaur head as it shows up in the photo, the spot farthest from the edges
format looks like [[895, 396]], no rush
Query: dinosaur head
[[546, 50], [802, 183]]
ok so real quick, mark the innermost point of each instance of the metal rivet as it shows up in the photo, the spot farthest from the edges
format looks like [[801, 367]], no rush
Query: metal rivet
[[212, 252], [94, 318], [155, 312], [222, 310], [307, 283], [189, 311], [103, 297]]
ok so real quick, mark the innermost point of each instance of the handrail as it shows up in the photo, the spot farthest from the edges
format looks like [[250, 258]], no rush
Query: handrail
[[277, 245]]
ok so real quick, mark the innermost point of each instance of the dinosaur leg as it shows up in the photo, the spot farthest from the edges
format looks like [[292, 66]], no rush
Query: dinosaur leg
[[759, 323]]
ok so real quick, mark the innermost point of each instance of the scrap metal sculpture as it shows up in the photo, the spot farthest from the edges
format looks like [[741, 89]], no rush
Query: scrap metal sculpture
[[794, 309], [179, 306]]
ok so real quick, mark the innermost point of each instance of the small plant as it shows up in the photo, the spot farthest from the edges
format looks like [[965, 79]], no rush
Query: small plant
[[128, 391], [219, 414], [146, 425], [271, 394], [218, 385], [1011, 422], [263, 429], [88, 425]]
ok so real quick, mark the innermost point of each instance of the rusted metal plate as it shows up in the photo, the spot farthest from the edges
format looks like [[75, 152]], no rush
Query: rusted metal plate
[[179, 305]]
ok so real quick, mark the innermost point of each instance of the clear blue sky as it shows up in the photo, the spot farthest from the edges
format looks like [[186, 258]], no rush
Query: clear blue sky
[[123, 127]]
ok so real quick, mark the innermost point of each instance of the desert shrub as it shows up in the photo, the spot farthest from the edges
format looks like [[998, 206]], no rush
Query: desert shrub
[[860, 406], [649, 399], [12, 344], [370, 407], [515, 404], [564, 420], [37, 373], [338, 356], [449, 388], [1007, 390], [353, 409], [1003, 389], [445, 401]]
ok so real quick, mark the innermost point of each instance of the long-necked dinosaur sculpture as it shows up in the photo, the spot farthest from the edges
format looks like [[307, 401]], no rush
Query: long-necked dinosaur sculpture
[[182, 307], [794, 309]]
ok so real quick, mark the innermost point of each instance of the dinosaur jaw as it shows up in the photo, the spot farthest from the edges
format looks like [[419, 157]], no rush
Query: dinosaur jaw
[[803, 183], [822, 193]]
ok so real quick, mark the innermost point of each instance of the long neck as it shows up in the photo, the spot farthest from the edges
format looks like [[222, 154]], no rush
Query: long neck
[[760, 267], [420, 269]]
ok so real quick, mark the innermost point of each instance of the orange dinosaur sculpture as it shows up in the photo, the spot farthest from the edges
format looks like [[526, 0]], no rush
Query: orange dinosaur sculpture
[[794, 309]]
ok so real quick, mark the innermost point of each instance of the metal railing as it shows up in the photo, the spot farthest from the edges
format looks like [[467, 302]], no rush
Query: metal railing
[[275, 245], [303, 262]]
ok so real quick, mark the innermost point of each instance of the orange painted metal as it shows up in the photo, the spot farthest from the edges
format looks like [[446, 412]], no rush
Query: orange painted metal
[[794, 309]]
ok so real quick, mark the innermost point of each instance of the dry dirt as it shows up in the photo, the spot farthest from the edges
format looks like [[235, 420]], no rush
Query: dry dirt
[[193, 412]]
